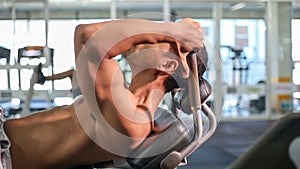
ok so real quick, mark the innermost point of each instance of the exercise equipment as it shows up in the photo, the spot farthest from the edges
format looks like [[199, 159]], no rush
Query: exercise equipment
[[240, 66], [27, 54], [5, 54], [243, 97], [176, 138], [36, 77], [28, 58], [272, 148], [24, 61]]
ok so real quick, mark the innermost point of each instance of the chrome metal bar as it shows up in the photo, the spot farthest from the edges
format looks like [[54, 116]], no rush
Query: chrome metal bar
[[212, 127], [198, 127], [174, 158]]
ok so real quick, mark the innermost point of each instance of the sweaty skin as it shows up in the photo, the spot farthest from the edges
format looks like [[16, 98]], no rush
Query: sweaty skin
[[55, 139]]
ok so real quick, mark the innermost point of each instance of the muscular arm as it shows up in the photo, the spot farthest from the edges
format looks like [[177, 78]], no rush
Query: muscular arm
[[62, 75], [100, 79], [138, 31], [116, 37], [99, 74]]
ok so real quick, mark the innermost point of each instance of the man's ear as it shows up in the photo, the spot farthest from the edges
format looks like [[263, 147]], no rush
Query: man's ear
[[169, 66]]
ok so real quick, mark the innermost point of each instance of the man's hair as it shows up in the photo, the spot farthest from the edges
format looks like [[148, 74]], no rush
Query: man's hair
[[202, 59]]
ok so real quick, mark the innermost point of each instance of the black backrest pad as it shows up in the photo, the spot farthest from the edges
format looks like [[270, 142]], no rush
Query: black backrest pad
[[271, 150], [169, 134]]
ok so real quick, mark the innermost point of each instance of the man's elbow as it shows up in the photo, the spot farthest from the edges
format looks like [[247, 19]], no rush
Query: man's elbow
[[82, 33]]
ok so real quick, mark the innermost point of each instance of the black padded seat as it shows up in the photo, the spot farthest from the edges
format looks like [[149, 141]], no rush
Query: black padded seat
[[271, 150], [170, 134]]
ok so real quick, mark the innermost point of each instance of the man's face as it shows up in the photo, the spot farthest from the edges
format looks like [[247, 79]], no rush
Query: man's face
[[145, 56]]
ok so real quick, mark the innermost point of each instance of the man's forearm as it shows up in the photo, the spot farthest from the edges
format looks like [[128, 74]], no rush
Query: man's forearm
[[119, 36]]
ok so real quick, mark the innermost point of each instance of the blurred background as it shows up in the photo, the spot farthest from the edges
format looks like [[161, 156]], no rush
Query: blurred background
[[257, 42]]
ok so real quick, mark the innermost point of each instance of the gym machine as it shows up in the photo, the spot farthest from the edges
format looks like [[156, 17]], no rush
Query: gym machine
[[240, 66], [28, 58], [29, 53], [273, 148], [175, 138]]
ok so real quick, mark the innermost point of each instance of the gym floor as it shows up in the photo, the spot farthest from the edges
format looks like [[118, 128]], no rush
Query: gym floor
[[230, 140]]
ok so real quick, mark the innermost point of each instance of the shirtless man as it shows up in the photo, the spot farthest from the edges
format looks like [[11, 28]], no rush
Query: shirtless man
[[68, 136]]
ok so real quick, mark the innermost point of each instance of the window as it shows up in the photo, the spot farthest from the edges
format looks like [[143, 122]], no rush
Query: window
[[295, 50], [247, 35], [296, 61], [243, 57]]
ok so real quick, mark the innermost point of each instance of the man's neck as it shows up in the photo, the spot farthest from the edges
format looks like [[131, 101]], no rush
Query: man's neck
[[149, 88]]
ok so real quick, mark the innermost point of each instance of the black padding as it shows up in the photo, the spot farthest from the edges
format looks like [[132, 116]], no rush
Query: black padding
[[202, 59], [205, 91], [169, 134], [104, 164], [85, 167], [5, 53], [271, 150]]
